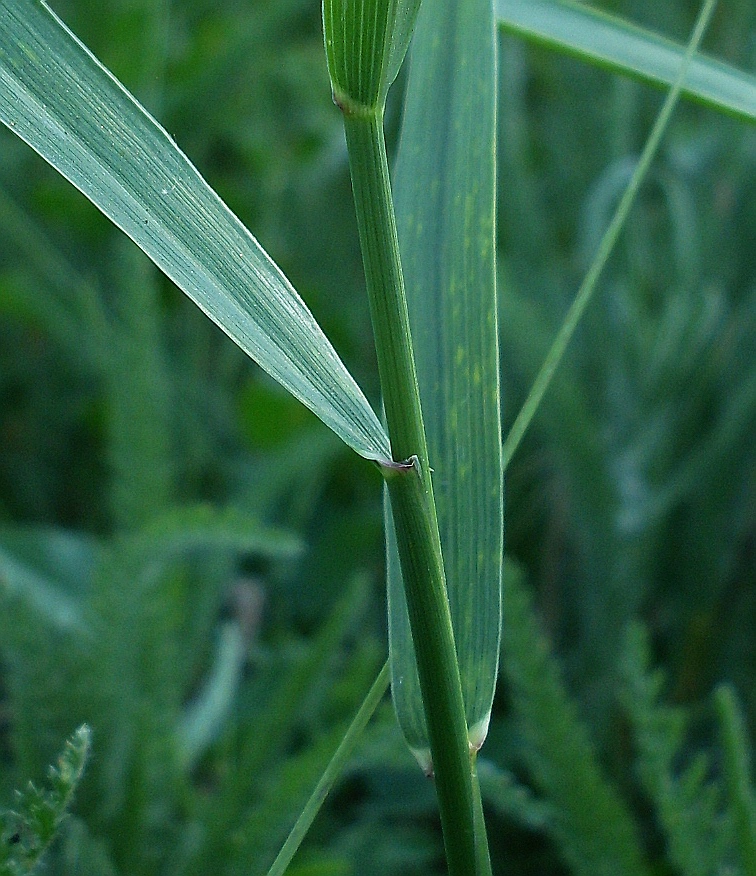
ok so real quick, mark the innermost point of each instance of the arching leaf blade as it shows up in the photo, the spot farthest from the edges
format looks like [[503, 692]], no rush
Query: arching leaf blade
[[58, 98], [622, 47]]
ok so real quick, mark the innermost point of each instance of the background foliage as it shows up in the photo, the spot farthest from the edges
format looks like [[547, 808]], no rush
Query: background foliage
[[192, 565]]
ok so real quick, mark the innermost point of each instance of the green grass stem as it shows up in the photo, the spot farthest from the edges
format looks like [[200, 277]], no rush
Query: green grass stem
[[385, 284], [410, 490]]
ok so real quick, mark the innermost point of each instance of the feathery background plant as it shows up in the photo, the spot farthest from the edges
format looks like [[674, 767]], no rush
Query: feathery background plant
[[192, 566]]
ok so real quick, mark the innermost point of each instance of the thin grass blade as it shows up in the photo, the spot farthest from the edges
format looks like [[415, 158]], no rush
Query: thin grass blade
[[589, 284], [623, 47], [58, 98], [332, 772], [445, 195]]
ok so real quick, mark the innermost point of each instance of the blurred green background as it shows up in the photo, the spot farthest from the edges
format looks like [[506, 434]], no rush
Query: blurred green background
[[219, 548]]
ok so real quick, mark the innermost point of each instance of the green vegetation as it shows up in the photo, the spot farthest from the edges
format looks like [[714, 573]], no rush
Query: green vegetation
[[192, 566], [30, 827]]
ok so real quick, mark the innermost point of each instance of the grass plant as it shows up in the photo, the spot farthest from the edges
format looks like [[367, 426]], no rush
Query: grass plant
[[188, 560]]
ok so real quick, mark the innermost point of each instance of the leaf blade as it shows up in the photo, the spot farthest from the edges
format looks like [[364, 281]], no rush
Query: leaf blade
[[445, 197], [609, 41], [58, 98]]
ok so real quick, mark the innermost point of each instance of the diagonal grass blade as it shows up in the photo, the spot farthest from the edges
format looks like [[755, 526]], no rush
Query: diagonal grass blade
[[58, 98], [609, 41]]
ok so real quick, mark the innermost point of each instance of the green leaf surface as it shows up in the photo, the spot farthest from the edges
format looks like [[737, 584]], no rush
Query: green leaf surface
[[404, 25], [618, 45], [58, 98], [445, 196]]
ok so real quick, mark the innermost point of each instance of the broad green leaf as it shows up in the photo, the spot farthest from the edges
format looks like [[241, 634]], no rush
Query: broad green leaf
[[366, 41], [445, 196], [58, 98], [623, 47]]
